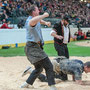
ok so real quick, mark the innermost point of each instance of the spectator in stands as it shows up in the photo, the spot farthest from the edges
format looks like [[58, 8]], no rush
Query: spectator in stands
[[5, 25], [88, 34], [84, 34], [75, 36], [80, 35], [4, 15], [77, 11]]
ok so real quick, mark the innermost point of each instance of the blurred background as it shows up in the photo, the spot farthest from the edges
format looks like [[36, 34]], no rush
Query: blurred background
[[13, 14]]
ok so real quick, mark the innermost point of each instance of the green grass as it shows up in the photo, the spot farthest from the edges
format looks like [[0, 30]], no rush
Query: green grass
[[49, 49], [74, 50], [12, 52]]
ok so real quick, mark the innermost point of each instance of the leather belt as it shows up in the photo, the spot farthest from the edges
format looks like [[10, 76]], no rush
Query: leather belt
[[35, 42]]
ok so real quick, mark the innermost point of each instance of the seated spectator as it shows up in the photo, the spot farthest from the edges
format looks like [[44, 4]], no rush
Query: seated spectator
[[80, 35], [75, 35], [85, 37], [88, 34], [4, 15], [5, 25]]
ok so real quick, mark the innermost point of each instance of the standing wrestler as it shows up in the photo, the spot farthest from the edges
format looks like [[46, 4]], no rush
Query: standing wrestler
[[61, 34], [33, 49]]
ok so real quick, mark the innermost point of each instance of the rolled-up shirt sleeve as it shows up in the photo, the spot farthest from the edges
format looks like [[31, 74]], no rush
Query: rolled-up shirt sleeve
[[55, 28], [52, 32]]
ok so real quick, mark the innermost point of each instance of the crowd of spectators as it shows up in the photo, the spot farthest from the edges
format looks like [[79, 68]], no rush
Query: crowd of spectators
[[78, 12], [80, 35]]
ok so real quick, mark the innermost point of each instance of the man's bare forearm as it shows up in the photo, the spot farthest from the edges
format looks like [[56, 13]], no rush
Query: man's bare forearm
[[43, 22], [37, 19], [79, 82], [54, 34]]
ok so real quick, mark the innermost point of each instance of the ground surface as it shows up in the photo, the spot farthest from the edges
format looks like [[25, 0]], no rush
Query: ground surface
[[84, 43], [11, 69]]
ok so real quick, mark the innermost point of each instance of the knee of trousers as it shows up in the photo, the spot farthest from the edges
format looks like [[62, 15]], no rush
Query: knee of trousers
[[39, 70], [50, 68]]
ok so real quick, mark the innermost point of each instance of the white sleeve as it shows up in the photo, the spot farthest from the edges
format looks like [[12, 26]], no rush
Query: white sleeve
[[52, 32]]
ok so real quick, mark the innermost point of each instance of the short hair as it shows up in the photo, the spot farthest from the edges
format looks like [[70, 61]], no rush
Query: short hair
[[31, 9], [87, 64]]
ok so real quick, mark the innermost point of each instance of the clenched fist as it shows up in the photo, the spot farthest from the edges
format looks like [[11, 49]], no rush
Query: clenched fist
[[48, 24], [46, 14], [59, 37]]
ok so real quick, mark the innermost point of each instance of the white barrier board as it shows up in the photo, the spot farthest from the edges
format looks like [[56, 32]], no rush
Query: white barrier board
[[12, 36]]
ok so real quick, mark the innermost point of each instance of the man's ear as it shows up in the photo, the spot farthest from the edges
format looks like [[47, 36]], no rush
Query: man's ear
[[85, 67]]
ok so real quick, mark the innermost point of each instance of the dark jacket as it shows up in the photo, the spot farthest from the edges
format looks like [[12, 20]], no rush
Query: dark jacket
[[58, 27]]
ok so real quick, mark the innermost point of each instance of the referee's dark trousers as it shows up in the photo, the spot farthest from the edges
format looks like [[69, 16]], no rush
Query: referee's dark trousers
[[62, 49]]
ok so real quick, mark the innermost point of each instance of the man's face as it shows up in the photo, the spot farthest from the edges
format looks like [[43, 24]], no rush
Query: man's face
[[36, 12], [65, 23], [87, 69]]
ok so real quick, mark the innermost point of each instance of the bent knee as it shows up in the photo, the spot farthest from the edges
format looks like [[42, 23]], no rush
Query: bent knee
[[39, 70]]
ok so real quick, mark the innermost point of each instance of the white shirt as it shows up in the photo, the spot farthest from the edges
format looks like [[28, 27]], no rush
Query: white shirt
[[66, 34]]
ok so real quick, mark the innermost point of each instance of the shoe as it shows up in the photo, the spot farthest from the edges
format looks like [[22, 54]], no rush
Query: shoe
[[26, 71], [53, 87], [24, 85]]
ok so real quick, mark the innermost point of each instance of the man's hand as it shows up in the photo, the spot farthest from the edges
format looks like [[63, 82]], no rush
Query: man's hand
[[48, 24], [79, 82], [59, 37], [45, 14]]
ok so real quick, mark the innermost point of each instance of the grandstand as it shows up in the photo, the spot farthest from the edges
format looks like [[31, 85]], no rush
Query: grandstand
[[77, 10], [16, 11]]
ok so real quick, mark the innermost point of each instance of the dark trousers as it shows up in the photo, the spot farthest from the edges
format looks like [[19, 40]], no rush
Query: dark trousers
[[46, 64], [43, 78], [62, 50]]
